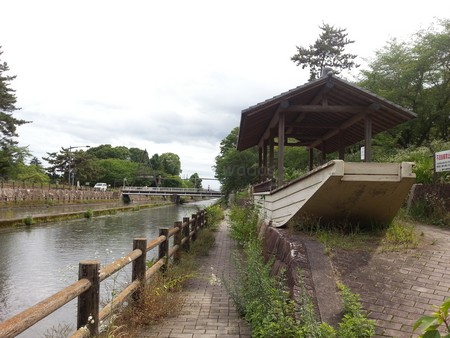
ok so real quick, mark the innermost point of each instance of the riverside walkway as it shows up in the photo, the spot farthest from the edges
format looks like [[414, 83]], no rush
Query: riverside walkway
[[208, 311]]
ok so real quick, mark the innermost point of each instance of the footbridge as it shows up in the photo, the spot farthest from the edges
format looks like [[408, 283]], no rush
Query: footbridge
[[127, 192]]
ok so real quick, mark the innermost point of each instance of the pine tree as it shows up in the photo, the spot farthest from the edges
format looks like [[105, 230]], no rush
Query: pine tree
[[327, 51], [8, 99]]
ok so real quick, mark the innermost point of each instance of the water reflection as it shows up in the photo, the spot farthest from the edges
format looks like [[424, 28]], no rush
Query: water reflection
[[36, 262]]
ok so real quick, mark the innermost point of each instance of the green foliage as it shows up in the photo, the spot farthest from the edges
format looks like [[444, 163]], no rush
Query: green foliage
[[88, 213], [327, 51], [82, 165], [106, 151], [234, 169], [28, 220], [30, 173], [215, 215], [170, 163], [8, 123], [243, 223], [196, 181], [355, 324], [296, 162], [400, 236], [260, 298], [113, 171], [431, 325], [415, 75]]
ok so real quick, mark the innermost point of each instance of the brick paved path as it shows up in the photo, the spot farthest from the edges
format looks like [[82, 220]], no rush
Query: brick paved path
[[397, 287], [208, 311]]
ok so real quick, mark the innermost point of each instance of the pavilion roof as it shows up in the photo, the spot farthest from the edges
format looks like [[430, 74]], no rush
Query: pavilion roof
[[327, 114]]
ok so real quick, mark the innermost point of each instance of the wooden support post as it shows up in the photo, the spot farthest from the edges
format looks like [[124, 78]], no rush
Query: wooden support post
[[194, 227], [341, 147], [311, 159], [205, 219], [89, 301], [139, 265], [281, 137], [264, 166], [187, 243], [368, 138], [260, 162], [163, 249], [200, 219], [271, 158], [177, 241]]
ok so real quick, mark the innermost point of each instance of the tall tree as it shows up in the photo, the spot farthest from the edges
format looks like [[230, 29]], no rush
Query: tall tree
[[170, 163], [80, 165], [196, 181], [8, 123], [234, 169], [105, 151], [416, 75], [327, 51]]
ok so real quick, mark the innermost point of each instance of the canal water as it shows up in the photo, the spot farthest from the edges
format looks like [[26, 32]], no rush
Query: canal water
[[36, 262]]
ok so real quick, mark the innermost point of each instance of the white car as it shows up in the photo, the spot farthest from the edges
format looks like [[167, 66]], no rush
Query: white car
[[100, 186]]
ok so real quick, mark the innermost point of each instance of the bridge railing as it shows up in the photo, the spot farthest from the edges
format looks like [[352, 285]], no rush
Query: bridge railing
[[87, 288], [169, 189]]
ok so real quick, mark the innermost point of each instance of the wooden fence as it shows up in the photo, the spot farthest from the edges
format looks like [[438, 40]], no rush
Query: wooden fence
[[87, 288]]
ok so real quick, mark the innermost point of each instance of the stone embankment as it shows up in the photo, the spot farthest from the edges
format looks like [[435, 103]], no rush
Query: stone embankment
[[24, 195], [306, 268]]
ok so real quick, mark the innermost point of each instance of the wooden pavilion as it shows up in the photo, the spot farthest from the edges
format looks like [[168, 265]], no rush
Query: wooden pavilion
[[327, 114]]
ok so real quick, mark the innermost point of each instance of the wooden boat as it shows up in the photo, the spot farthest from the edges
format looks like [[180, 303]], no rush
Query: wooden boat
[[362, 192]]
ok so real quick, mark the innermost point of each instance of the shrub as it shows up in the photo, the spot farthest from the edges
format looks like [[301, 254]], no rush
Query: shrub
[[262, 299], [355, 324], [28, 220], [243, 223], [214, 214], [88, 213]]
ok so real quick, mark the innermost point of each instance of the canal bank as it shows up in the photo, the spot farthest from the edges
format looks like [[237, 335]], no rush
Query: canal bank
[[32, 215]]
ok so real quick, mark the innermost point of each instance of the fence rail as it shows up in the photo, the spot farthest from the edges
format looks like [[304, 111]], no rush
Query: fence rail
[[90, 275]]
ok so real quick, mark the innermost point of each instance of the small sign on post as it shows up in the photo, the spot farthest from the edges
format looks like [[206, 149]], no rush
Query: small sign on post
[[442, 161]]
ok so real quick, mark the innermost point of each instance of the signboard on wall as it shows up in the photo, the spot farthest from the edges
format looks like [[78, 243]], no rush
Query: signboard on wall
[[442, 161]]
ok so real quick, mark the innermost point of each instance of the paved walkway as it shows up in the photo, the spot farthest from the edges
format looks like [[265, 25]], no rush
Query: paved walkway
[[397, 288], [208, 311]]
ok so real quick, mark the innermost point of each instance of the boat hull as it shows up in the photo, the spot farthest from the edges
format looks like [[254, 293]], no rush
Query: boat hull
[[356, 192]]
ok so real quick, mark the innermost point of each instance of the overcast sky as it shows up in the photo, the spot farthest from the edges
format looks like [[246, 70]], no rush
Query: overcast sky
[[172, 76]]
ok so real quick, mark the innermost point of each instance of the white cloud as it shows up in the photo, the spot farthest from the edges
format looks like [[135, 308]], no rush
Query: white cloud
[[171, 75]]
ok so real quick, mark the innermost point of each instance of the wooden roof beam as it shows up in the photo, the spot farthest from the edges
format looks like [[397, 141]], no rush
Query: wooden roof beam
[[273, 123], [322, 109], [367, 110]]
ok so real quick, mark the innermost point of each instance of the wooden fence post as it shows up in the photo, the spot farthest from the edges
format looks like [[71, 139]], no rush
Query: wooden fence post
[[163, 249], [139, 265], [177, 241], [186, 230], [202, 218], [88, 301], [194, 227]]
